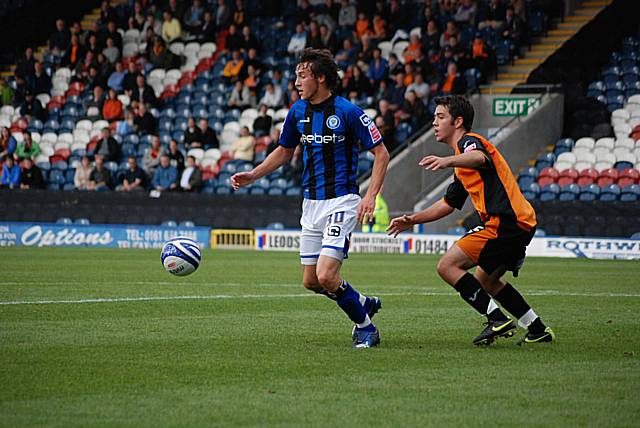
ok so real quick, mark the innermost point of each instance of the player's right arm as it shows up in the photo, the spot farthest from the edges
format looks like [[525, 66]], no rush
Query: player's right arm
[[434, 212], [289, 139], [277, 157]]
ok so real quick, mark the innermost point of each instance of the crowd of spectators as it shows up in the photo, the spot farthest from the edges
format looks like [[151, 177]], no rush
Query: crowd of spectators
[[395, 57]]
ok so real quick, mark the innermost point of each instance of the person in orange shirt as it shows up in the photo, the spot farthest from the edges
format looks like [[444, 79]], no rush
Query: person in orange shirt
[[362, 25], [496, 246], [233, 67], [112, 107], [410, 52]]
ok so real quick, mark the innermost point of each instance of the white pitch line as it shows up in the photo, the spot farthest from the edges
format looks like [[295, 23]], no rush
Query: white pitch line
[[546, 293]]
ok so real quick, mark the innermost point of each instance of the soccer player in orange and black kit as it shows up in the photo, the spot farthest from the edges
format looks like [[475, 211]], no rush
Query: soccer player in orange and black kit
[[499, 244]]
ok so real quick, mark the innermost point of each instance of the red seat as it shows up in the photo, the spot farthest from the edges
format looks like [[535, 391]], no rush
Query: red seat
[[547, 176], [628, 176], [210, 172], [587, 176], [91, 146], [606, 177], [568, 176], [78, 86], [63, 153], [54, 159]]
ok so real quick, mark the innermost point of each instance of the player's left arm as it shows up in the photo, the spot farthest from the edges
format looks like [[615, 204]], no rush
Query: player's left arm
[[379, 170], [473, 159]]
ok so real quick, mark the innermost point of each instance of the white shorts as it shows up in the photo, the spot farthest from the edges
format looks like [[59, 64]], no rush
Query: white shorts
[[326, 227]]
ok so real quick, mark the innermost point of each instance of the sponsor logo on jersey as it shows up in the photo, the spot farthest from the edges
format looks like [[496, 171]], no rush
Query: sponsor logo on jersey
[[322, 139], [365, 120], [333, 121], [307, 120], [374, 132], [469, 147]]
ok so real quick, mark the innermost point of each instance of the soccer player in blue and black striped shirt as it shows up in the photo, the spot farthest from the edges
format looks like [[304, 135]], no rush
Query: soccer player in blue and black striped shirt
[[329, 128]]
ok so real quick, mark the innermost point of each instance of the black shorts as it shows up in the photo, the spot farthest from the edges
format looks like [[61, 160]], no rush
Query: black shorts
[[491, 251]]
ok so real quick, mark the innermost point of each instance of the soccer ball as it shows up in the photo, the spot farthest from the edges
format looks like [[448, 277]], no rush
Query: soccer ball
[[181, 256]]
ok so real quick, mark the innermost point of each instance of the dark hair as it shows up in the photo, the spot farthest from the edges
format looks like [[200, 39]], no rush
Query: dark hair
[[458, 106], [322, 64]]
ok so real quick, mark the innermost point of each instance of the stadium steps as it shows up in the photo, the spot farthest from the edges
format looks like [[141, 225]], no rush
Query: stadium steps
[[543, 47]]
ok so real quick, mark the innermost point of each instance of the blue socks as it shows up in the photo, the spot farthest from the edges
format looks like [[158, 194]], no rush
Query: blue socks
[[350, 302]]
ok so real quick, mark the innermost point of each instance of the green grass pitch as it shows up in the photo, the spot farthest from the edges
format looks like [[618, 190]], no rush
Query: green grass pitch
[[117, 342]]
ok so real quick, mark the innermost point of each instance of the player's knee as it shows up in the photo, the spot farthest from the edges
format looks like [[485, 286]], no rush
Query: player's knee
[[443, 268], [311, 284], [327, 280]]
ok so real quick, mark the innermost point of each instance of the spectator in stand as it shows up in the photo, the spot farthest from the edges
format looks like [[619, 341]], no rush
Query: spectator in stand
[[177, 8], [8, 143], [314, 39], [83, 173], [92, 46], [116, 79], [74, 53], [160, 56], [420, 88], [21, 88], [452, 83], [481, 56], [446, 56], [112, 107], [207, 31], [415, 45], [457, 50], [451, 29], [262, 123], [294, 96], [94, 103], [82, 67], [126, 126], [39, 82], [191, 177], [192, 135], [362, 26], [107, 146], [209, 137], [243, 147], [397, 91], [171, 28], [32, 108], [248, 40], [111, 51], [252, 80], [365, 52], [379, 28], [25, 64], [6, 93], [493, 15], [466, 13], [138, 16], [378, 68], [298, 41], [31, 176], [104, 69], [224, 15], [395, 66], [100, 177], [151, 158], [107, 13], [233, 67], [397, 17], [27, 149], [144, 122], [347, 54], [233, 41], [241, 97], [431, 39], [385, 122], [413, 111], [176, 158], [347, 15], [10, 174], [194, 16], [273, 96], [151, 24], [254, 61], [110, 31], [60, 39], [165, 177], [305, 12], [130, 78], [355, 84], [512, 28], [328, 39], [142, 93], [239, 14], [135, 179]]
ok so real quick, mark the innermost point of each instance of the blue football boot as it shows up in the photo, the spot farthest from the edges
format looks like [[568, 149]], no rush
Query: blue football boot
[[372, 306], [366, 338]]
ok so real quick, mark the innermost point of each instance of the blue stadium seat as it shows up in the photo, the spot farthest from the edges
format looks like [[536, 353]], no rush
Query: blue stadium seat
[[293, 191], [69, 175], [253, 190], [610, 193], [524, 181], [569, 192], [132, 139], [537, 23], [111, 166], [613, 89], [165, 124], [35, 125], [275, 191], [630, 193], [223, 189], [168, 113], [472, 76], [503, 50], [64, 220], [180, 123], [209, 190], [51, 125], [57, 177], [563, 145], [142, 149], [595, 89], [187, 223], [279, 183], [83, 221], [60, 165], [589, 192], [544, 161], [549, 192], [364, 166], [169, 223]]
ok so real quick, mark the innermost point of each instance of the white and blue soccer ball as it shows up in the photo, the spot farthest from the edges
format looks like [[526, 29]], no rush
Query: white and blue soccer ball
[[181, 256]]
